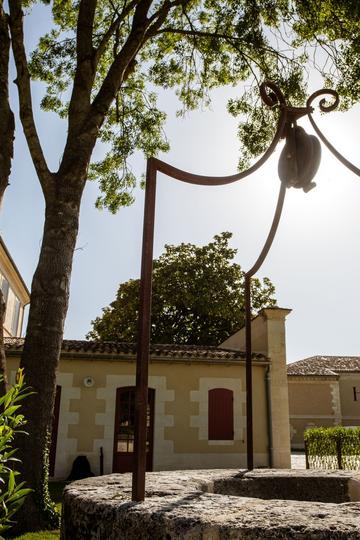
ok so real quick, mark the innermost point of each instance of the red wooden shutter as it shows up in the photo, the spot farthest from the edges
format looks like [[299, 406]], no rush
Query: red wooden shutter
[[221, 415]]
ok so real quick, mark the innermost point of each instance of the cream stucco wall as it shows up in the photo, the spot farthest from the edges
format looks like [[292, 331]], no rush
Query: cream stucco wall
[[87, 415], [350, 408], [322, 401], [180, 415], [313, 401]]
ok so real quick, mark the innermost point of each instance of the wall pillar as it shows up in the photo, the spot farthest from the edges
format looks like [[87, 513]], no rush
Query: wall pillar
[[274, 319], [268, 338], [336, 403]]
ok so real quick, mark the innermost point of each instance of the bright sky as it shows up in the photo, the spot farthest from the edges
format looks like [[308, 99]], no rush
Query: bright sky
[[315, 259]]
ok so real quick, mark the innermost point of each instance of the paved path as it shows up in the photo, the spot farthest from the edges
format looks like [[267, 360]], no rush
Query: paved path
[[298, 460]]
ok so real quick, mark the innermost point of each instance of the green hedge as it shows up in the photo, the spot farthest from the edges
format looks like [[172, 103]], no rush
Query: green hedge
[[332, 448]]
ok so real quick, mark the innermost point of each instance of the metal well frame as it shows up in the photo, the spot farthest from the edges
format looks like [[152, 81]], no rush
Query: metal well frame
[[288, 116]]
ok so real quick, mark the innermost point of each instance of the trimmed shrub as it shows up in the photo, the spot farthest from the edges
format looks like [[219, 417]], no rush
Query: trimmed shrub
[[12, 494], [333, 448]]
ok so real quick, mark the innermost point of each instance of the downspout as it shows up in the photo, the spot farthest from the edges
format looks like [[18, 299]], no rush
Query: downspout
[[269, 414]]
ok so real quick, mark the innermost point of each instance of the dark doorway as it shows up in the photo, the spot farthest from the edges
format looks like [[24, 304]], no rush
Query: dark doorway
[[124, 430], [54, 431]]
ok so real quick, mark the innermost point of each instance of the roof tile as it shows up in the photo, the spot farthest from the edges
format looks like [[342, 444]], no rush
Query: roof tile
[[324, 365], [129, 349]]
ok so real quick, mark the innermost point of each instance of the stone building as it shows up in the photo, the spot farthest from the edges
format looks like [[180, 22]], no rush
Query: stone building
[[15, 292], [196, 407], [323, 391]]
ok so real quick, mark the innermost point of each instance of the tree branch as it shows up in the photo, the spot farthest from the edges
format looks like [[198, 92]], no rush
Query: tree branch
[[85, 24], [24, 91], [7, 124], [85, 66], [113, 27], [160, 16], [124, 62], [140, 15], [168, 5], [121, 67], [195, 33], [85, 120]]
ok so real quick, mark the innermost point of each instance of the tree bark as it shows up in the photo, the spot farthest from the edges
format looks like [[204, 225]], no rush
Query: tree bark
[[7, 124], [48, 307]]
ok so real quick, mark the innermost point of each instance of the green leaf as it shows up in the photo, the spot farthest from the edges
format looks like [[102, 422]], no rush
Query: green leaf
[[11, 482], [19, 494], [12, 494], [10, 410]]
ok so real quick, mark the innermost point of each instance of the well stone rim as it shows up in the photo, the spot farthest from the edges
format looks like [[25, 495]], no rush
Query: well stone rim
[[182, 505]]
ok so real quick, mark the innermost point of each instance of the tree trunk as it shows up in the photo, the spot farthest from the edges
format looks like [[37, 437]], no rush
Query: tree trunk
[[7, 125], [48, 307], [7, 128]]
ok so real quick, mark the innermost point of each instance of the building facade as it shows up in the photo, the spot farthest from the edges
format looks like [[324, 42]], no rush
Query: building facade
[[323, 391], [15, 293], [196, 406]]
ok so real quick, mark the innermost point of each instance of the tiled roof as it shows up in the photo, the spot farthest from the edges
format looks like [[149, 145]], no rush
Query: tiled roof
[[324, 365], [112, 348]]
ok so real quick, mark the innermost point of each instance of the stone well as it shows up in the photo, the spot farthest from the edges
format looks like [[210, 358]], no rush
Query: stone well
[[216, 504]]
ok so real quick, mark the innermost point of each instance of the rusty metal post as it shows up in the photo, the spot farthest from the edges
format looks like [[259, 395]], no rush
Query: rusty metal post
[[307, 463], [249, 400], [101, 457], [339, 453], [142, 359]]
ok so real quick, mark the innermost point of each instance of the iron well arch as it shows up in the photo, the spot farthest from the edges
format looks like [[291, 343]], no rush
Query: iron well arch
[[298, 164]]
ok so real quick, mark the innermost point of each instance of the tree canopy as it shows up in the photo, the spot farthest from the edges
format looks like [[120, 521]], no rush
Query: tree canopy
[[198, 297], [138, 46], [192, 46]]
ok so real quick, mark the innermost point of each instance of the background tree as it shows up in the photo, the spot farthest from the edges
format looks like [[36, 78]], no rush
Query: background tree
[[99, 62], [198, 298]]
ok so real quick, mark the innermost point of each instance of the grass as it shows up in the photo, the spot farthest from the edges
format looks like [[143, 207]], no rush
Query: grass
[[56, 490], [40, 535]]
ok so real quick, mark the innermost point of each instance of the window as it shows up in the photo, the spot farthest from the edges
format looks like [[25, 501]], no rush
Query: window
[[356, 392], [15, 317], [4, 284], [221, 415]]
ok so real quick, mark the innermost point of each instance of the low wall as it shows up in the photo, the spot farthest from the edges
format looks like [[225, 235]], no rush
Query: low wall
[[192, 505]]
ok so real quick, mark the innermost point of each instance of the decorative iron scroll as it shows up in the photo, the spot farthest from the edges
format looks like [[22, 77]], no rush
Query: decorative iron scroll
[[324, 107]]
